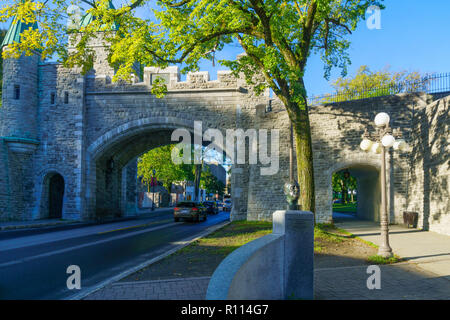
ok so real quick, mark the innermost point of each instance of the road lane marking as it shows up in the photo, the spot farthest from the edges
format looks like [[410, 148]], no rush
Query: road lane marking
[[42, 255], [133, 227]]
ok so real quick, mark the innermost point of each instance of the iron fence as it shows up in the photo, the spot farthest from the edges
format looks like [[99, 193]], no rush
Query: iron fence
[[432, 83]]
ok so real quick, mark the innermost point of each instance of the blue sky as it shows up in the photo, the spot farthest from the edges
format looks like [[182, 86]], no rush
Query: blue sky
[[414, 36]]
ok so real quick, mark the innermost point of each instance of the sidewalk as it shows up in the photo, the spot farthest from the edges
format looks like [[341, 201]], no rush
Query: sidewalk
[[41, 223], [427, 250]]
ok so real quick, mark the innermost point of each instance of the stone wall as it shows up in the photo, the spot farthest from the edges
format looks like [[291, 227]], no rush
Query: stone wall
[[336, 134], [61, 126], [429, 182]]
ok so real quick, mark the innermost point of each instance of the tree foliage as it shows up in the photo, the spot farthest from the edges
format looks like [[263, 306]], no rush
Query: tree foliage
[[277, 37], [342, 184], [159, 159], [210, 183], [2, 36], [367, 84]]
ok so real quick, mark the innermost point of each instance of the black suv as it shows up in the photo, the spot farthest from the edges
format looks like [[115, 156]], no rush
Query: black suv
[[211, 207]]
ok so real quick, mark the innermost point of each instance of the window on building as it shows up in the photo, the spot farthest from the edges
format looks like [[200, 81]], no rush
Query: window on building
[[66, 97], [52, 98], [16, 92]]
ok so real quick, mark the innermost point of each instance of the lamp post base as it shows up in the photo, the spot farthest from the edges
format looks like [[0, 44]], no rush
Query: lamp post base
[[385, 252]]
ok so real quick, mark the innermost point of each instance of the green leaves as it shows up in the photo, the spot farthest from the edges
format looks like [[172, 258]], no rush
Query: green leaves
[[159, 87], [210, 183], [160, 160]]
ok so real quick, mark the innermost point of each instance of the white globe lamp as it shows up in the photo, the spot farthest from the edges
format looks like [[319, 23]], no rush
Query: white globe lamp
[[388, 141], [382, 119], [399, 144], [376, 148], [365, 145]]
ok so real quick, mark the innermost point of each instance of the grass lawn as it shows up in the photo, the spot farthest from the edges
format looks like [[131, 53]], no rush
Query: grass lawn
[[340, 207], [204, 255]]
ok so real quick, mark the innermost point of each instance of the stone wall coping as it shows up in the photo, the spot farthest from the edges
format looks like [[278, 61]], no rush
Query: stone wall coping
[[169, 91]]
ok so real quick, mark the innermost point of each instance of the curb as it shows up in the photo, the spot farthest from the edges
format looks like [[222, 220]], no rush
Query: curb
[[38, 225], [183, 243]]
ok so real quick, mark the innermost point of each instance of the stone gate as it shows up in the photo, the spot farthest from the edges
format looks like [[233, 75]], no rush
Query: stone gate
[[88, 132]]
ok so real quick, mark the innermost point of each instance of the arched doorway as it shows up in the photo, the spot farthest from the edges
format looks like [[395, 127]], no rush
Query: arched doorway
[[367, 195], [55, 196]]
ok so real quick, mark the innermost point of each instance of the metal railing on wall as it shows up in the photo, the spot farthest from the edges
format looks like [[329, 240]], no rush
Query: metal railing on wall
[[433, 83]]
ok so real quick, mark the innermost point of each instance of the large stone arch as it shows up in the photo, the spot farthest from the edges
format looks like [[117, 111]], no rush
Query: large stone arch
[[124, 144]]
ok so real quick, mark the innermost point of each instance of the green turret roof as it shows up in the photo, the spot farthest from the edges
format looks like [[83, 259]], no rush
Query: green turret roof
[[87, 19], [15, 31]]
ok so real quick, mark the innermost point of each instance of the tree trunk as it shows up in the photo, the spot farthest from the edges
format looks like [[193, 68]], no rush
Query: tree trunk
[[344, 195], [305, 169]]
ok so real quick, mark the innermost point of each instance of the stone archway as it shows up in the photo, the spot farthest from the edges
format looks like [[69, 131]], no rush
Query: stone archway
[[366, 171], [368, 190], [110, 156]]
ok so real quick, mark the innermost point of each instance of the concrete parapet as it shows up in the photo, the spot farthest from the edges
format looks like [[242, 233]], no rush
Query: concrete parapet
[[276, 266]]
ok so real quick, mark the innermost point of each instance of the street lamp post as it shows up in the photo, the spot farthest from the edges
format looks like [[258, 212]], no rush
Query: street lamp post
[[153, 186], [383, 140]]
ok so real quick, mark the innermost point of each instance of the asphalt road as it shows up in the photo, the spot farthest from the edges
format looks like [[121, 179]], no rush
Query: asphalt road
[[33, 263]]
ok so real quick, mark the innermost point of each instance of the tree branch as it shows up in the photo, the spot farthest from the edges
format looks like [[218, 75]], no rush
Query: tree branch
[[195, 44], [338, 23]]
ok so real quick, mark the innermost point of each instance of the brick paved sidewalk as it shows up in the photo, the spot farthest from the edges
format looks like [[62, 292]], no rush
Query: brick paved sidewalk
[[400, 281], [172, 289]]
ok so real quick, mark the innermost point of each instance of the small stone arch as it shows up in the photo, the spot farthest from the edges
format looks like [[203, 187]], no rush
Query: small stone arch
[[52, 196], [367, 173]]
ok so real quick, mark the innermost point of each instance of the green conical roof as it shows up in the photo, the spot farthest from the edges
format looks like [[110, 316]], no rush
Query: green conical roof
[[15, 31], [87, 19]]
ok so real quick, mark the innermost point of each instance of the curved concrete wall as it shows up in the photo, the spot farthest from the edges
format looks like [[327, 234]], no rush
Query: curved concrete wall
[[276, 266], [239, 276]]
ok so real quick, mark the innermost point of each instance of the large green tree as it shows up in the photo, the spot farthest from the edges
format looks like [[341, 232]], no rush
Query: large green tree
[[277, 37]]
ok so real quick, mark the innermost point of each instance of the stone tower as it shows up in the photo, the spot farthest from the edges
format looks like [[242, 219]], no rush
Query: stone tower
[[18, 124]]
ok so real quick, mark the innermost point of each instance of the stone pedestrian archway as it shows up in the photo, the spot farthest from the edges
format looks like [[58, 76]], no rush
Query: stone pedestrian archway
[[368, 191]]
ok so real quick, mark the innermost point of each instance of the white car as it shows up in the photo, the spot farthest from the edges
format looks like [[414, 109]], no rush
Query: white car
[[227, 205]]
